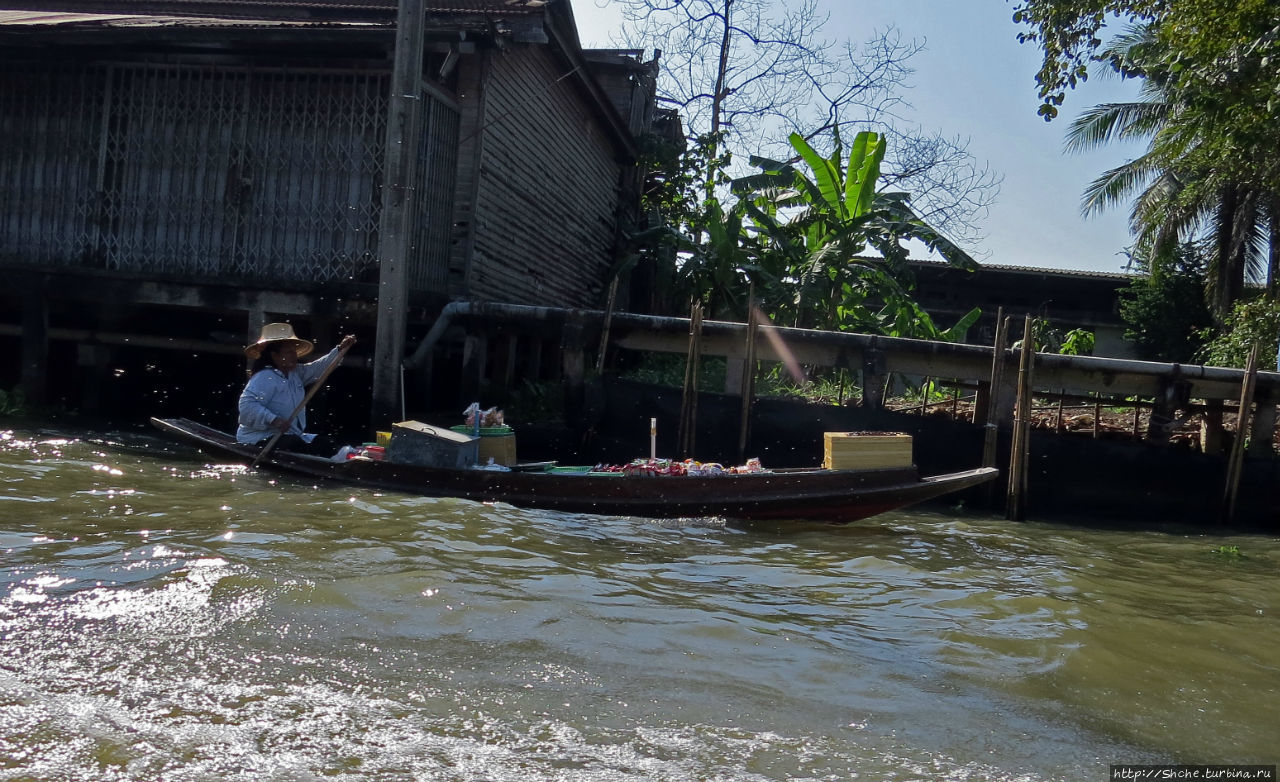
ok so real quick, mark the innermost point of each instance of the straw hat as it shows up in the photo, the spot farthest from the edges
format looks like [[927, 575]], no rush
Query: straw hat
[[278, 332]]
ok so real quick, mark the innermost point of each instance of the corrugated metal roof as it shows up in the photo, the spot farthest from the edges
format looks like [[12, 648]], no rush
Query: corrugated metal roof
[[47, 19], [103, 9], [240, 13], [518, 6], [1037, 270]]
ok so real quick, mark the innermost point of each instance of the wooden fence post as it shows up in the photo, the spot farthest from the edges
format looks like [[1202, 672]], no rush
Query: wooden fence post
[[1235, 463], [686, 435], [748, 377], [1015, 507], [991, 433]]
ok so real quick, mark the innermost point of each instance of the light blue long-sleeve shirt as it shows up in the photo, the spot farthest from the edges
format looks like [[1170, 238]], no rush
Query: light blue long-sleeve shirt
[[270, 394]]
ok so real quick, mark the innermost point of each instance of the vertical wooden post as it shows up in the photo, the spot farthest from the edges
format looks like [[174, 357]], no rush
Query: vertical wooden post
[[981, 402], [991, 431], [1015, 507], [608, 321], [686, 435], [748, 377], [1235, 463], [395, 241], [1006, 393]]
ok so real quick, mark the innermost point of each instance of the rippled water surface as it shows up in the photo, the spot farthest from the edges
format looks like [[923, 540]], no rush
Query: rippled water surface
[[165, 618]]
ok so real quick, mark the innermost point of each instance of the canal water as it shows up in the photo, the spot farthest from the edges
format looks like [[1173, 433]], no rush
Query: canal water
[[162, 618]]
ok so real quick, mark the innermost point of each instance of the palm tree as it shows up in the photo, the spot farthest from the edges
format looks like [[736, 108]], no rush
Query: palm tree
[[1181, 191]]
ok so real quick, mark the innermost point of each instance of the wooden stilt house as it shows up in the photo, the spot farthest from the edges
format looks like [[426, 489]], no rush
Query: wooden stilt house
[[173, 173]]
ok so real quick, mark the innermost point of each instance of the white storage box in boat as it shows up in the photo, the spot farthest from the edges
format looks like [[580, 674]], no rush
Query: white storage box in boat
[[413, 442], [865, 450]]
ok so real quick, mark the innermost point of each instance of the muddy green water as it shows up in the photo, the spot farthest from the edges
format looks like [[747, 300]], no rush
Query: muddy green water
[[161, 618]]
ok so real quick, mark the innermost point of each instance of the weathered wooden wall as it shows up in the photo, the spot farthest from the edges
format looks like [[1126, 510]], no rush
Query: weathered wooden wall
[[538, 188]]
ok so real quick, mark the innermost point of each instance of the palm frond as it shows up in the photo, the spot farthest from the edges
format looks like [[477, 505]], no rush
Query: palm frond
[[1117, 185], [1109, 122]]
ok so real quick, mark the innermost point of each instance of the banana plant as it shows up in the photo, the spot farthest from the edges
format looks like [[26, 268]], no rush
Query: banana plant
[[822, 222]]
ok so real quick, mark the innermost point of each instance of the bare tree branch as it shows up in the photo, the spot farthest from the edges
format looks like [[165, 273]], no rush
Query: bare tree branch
[[756, 70]]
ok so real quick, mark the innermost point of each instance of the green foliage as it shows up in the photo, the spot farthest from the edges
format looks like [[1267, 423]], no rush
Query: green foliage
[[1185, 190], [1217, 57], [798, 235], [1253, 322], [1164, 308], [1209, 109], [534, 401], [667, 369], [824, 386], [679, 176], [1078, 342], [1049, 339], [13, 403], [818, 223]]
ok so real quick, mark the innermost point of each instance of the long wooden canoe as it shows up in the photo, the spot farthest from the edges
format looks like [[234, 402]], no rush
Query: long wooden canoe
[[808, 494]]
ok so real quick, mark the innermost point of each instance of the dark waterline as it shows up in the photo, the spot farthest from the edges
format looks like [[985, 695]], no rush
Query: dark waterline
[[161, 618]]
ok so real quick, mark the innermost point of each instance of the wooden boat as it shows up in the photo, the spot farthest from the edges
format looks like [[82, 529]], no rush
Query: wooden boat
[[810, 494]]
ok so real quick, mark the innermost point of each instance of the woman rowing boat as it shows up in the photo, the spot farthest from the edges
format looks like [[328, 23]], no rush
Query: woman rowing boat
[[277, 387]]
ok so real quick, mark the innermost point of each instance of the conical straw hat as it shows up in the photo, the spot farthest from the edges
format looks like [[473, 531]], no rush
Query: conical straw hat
[[278, 332]]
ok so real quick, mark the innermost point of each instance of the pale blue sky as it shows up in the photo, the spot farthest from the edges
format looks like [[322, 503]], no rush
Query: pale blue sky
[[975, 80]]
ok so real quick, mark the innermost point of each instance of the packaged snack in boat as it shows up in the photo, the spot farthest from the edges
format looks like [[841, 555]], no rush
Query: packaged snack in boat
[[752, 466], [702, 469]]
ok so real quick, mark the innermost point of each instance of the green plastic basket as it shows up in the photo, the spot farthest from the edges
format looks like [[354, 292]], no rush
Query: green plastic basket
[[485, 431]]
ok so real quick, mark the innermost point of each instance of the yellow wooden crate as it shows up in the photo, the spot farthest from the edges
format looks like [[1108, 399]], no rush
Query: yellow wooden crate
[[865, 450], [496, 442], [500, 448]]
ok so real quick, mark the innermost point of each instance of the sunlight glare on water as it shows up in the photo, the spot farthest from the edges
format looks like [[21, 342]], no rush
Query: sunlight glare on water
[[166, 618]]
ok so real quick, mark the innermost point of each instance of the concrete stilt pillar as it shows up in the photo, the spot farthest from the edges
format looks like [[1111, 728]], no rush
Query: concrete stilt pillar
[[873, 379], [35, 345], [257, 319], [574, 366], [1212, 432], [1262, 434]]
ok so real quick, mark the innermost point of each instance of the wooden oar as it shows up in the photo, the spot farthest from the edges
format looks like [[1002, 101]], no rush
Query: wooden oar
[[310, 393]]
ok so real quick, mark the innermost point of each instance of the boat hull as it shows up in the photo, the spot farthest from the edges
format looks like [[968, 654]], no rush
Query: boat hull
[[811, 494]]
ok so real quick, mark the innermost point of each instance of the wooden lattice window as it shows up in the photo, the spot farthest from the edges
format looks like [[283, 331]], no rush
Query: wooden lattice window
[[200, 171]]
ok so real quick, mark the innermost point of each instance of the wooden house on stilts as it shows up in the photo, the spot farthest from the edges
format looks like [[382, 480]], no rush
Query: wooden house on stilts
[[174, 173]]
